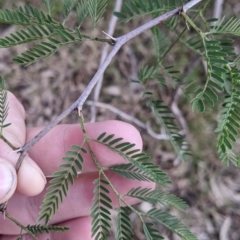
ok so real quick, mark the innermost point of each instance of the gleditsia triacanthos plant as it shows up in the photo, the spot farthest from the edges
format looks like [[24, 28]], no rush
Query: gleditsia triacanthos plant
[[222, 79]]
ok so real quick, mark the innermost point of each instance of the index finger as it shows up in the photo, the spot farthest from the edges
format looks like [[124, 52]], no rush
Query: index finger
[[47, 153]]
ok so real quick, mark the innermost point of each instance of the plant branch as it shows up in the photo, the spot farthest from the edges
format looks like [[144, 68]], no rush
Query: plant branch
[[20, 225], [120, 41], [111, 28]]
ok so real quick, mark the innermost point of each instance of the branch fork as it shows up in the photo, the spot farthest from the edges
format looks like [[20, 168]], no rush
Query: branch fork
[[117, 44]]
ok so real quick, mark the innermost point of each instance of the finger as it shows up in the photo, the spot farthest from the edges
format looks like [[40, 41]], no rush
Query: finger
[[51, 148], [8, 180], [29, 172], [77, 204], [80, 229]]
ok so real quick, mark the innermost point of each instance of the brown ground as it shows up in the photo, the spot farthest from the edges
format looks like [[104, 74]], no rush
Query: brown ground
[[48, 87]]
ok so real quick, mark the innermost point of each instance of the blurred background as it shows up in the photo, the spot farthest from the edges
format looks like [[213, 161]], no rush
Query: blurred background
[[48, 87]]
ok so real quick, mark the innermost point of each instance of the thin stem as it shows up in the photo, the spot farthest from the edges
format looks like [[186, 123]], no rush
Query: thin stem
[[20, 225], [172, 45], [103, 40], [182, 33], [100, 168], [8, 143], [190, 21], [87, 140], [81, 100], [119, 196]]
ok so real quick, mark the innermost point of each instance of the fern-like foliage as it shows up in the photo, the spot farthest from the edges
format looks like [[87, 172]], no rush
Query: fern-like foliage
[[46, 229], [139, 162], [151, 232], [32, 33], [148, 73], [3, 106], [124, 229], [171, 223], [131, 172], [49, 5], [230, 119], [232, 26], [82, 11], [195, 44], [164, 115], [45, 49], [14, 17], [160, 42], [60, 183], [216, 53], [140, 8], [157, 197], [96, 10], [25, 16], [100, 212], [53, 35], [68, 6]]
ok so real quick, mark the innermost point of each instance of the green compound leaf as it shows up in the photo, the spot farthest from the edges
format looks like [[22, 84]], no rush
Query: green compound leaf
[[151, 232], [100, 211], [157, 197], [46, 49], [3, 106], [96, 10], [30, 34], [26, 15], [229, 121], [60, 183], [131, 171], [165, 116], [124, 228], [140, 8], [46, 229], [68, 6], [172, 223], [82, 11], [160, 42], [232, 26], [139, 168], [216, 53]]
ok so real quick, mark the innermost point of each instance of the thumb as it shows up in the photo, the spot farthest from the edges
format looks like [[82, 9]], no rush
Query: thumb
[[8, 180], [30, 179]]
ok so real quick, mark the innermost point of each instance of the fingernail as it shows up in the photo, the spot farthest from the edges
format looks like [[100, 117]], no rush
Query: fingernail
[[7, 180]]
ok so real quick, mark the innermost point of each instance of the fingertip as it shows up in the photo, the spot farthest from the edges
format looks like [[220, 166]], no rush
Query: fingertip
[[31, 180], [8, 180]]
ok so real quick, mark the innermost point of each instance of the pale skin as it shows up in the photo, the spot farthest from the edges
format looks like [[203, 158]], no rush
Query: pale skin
[[25, 190]]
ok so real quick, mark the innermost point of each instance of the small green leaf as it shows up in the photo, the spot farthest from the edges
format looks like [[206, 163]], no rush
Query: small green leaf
[[101, 136], [201, 105]]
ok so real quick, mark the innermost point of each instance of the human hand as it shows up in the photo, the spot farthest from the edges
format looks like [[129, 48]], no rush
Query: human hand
[[47, 154]]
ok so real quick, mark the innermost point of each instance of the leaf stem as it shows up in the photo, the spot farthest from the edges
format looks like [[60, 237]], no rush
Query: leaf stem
[[120, 41], [100, 168], [8, 143], [87, 140], [19, 224], [183, 32]]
